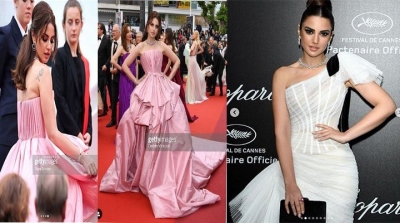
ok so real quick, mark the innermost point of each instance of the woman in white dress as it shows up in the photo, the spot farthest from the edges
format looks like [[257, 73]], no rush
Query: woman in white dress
[[196, 82], [315, 160]]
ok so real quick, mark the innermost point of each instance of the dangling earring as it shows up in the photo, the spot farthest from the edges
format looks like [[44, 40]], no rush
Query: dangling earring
[[33, 46], [299, 42], [327, 48]]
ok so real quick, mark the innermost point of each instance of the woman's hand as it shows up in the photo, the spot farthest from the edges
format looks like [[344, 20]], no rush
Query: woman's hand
[[86, 138], [327, 132], [294, 198], [88, 164]]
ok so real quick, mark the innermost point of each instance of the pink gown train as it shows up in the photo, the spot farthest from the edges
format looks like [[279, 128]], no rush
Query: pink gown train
[[33, 146], [171, 173]]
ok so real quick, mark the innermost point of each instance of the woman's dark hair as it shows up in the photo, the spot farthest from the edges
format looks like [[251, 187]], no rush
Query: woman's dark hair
[[14, 199], [169, 38], [42, 16], [76, 4], [322, 8], [152, 15], [123, 36]]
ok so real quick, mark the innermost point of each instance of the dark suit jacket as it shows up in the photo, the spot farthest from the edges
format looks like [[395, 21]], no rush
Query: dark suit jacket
[[103, 53], [181, 49], [218, 63], [69, 94], [207, 56], [10, 40], [109, 64]]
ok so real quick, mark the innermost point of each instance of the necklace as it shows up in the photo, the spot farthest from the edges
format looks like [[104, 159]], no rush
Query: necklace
[[312, 66], [151, 43]]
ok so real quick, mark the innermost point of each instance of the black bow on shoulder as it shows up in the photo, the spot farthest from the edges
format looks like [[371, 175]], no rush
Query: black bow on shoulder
[[333, 65]]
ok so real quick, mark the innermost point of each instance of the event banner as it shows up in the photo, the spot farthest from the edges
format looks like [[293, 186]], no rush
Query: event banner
[[263, 37]]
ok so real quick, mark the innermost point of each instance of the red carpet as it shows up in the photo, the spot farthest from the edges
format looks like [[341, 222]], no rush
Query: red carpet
[[135, 207]]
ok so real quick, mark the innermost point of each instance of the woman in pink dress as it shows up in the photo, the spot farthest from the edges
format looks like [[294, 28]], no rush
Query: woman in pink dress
[[40, 144], [154, 152], [166, 68], [126, 86], [196, 82]]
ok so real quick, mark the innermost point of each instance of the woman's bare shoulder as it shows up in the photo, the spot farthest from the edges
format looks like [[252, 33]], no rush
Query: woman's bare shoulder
[[285, 72]]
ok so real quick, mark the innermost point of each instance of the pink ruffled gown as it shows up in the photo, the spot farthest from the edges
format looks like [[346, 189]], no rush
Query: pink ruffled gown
[[34, 146], [172, 172]]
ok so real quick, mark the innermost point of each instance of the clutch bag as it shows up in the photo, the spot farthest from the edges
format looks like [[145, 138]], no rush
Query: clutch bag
[[315, 211]]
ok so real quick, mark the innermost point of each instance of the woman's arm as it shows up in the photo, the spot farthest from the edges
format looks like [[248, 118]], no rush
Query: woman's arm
[[134, 52], [114, 59], [283, 142], [45, 86], [383, 104], [168, 66], [173, 58]]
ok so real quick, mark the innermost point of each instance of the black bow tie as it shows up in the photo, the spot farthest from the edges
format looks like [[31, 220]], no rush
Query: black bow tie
[[99, 38]]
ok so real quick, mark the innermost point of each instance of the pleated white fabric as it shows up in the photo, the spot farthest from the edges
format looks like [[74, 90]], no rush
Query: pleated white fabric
[[324, 170]]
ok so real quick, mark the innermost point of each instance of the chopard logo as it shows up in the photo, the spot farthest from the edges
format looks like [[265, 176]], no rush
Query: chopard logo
[[239, 134], [249, 95], [374, 207], [372, 23]]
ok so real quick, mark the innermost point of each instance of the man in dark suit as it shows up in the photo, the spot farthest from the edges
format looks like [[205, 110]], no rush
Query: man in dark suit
[[218, 64], [103, 57], [11, 37], [181, 49], [116, 41], [208, 61]]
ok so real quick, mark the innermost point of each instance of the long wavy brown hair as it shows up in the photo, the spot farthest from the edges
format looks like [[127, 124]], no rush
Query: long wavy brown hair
[[125, 30], [14, 199], [152, 15], [42, 16], [169, 38]]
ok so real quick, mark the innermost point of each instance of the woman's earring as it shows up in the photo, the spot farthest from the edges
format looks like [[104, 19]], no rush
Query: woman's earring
[[327, 48], [33, 46], [299, 42]]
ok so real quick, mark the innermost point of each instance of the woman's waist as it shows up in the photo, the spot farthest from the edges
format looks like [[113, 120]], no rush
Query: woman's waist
[[310, 145]]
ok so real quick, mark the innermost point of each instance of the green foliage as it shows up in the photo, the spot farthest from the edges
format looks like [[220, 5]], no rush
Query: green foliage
[[222, 16], [208, 12]]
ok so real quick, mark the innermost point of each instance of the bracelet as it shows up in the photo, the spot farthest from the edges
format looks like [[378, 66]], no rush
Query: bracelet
[[80, 153]]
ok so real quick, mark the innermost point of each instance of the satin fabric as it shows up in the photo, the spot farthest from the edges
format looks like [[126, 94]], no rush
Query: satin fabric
[[126, 87], [172, 177], [32, 145], [196, 83], [177, 79]]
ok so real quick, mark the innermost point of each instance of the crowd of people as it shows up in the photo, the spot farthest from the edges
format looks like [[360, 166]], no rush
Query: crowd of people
[[156, 109], [203, 63]]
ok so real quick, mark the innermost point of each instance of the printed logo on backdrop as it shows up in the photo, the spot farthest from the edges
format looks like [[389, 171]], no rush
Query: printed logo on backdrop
[[250, 95], [239, 134], [376, 38], [375, 207], [372, 23]]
